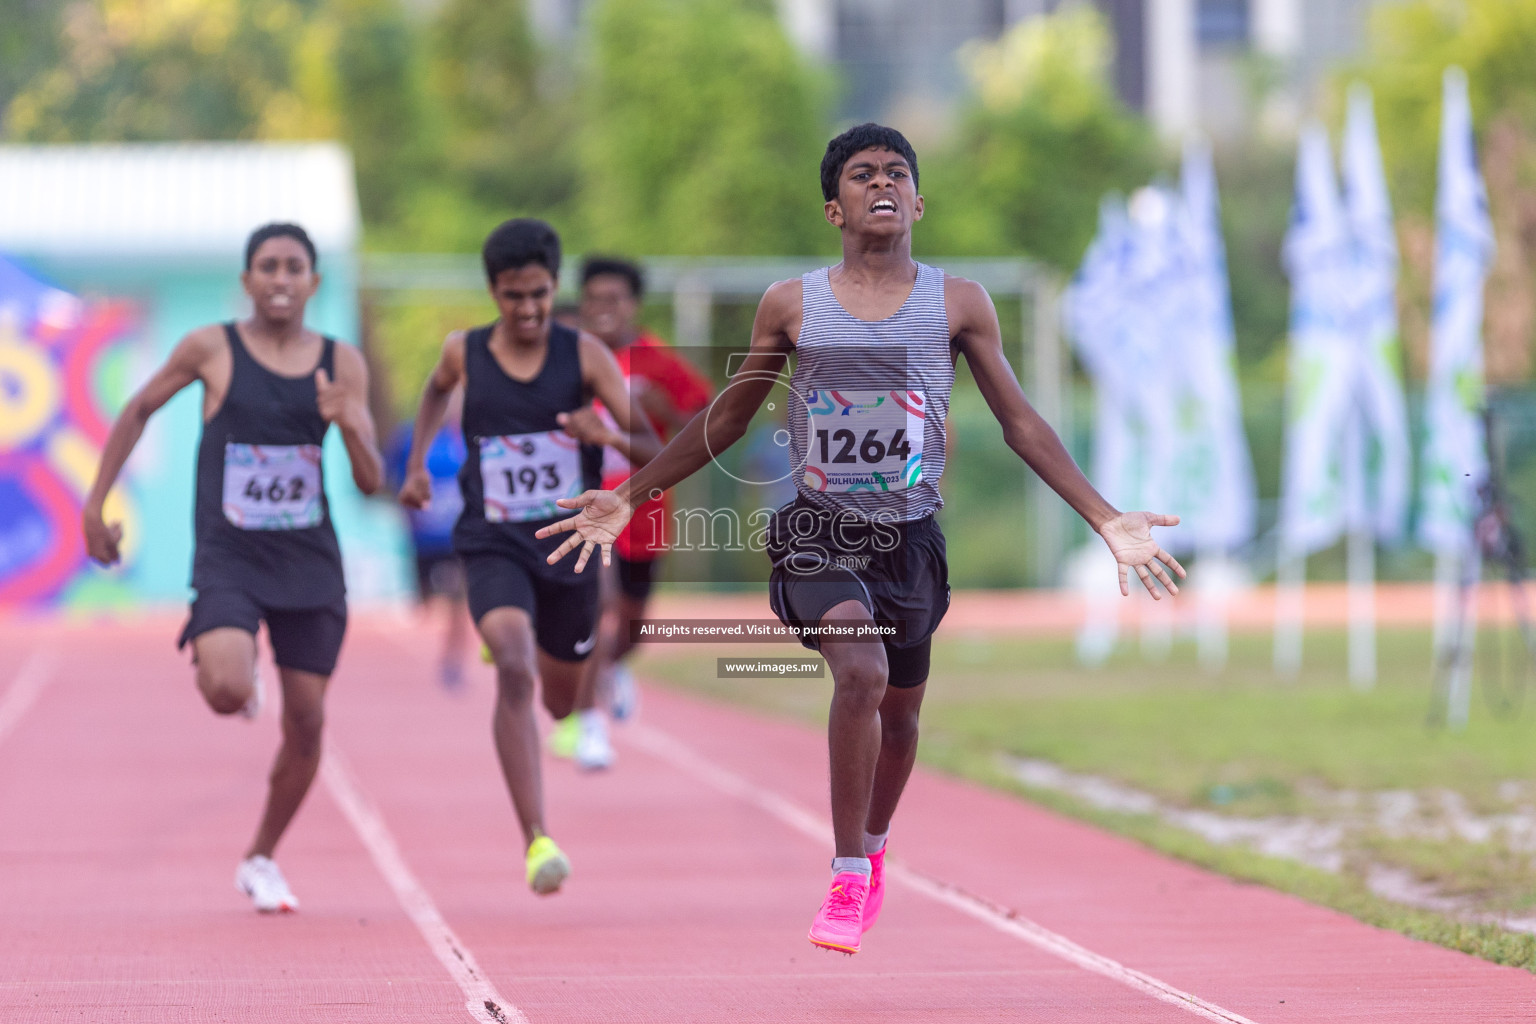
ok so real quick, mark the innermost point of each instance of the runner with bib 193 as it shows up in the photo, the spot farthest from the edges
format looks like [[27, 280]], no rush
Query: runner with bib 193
[[531, 438], [859, 551]]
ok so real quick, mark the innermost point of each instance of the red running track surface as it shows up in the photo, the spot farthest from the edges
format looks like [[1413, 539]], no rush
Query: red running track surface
[[698, 862]]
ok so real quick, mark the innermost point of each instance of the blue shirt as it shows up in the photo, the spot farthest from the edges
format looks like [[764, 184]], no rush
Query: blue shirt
[[432, 527]]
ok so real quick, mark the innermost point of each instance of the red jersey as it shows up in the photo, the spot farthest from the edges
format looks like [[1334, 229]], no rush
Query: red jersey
[[648, 362]]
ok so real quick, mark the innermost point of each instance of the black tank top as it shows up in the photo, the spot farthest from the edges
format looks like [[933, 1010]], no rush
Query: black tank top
[[261, 519], [496, 406]]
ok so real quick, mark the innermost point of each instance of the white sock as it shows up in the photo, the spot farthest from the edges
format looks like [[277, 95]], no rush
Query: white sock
[[851, 865], [875, 843], [592, 720]]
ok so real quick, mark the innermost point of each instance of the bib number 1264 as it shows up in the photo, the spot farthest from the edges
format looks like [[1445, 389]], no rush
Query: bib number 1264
[[863, 440]]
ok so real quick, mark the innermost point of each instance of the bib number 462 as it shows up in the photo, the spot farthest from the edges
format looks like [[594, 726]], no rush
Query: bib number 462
[[276, 490]]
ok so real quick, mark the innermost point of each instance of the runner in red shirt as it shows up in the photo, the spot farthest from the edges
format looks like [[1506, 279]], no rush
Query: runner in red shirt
[[670, 391]]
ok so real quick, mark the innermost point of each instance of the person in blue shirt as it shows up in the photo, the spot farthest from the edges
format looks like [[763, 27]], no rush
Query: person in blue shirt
[[439, 573]]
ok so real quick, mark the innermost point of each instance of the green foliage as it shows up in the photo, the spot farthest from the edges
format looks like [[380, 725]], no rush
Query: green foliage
[[1041, 141], [1256, 187], [379, 102], [702, 132], [503, 141], [147, 72], [1411, 45], [29, 43]]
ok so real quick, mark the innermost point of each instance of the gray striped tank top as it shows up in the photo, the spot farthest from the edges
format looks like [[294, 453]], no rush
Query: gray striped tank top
[[870, 432]]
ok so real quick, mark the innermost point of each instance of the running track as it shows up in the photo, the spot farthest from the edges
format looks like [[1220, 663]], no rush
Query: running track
[[124, 805]]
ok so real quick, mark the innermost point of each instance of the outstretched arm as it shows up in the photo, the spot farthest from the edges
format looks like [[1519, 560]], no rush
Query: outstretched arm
[[603, 514], [973, 325], [416, 491], [186, 364], [344, 402]]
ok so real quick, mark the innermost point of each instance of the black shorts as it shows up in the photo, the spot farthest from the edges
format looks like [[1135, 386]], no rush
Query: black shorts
[[635, 578], [439, 574], [564, 613], [897, 571], [305, 639]]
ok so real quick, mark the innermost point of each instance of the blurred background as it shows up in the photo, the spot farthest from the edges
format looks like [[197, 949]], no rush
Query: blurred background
[[144, 138], [1263, 263]]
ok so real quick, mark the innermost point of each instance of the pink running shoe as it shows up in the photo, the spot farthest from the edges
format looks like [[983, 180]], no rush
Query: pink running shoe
[[839, 922], [876, 889]]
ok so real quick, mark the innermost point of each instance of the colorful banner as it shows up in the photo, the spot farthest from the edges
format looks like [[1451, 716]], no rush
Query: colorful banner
[[1109, 331], [1150, 304], [1378, 502], [1319, 257], [1455, 460], [1221, 494], [54, 353]]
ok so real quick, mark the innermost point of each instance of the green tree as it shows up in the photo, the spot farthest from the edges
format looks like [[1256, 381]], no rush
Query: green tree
[[1411, 45], [702, 132], [1041, 140], [29, 42], [214, 69], [379, 102], [502, 127]]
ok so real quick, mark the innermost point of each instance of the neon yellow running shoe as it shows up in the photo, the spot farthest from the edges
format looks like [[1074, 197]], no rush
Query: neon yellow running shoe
[[565, 737], [547, 866], [485, 654]]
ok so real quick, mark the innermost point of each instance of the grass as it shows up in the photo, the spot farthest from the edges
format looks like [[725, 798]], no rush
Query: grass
[[1241, 741]]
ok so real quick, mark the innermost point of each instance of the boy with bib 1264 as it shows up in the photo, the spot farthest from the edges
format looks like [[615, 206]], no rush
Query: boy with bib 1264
[[858, 552], [265, 550], [531, 438]]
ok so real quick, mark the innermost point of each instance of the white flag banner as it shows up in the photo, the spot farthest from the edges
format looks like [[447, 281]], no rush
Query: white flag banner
[[1319, 258], [1112, 339], [1380, 503], [1455, 461], [1152, 295], [1220, 495]]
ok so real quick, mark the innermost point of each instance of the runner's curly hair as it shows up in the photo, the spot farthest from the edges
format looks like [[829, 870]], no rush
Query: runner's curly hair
[[855, 140]]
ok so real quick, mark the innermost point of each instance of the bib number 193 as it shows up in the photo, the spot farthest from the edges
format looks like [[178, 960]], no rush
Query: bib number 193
[[523, 475]]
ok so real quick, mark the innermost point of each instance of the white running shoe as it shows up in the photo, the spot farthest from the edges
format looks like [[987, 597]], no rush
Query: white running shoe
[[623, 695], [259, 878], [252, 708], [593, 751]]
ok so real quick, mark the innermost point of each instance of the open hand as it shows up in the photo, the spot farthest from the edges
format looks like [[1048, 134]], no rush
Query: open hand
[[602, 518], [1129, 536], [102, 539]]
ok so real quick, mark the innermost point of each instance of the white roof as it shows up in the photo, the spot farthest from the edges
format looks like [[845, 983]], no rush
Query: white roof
[[172, 198]]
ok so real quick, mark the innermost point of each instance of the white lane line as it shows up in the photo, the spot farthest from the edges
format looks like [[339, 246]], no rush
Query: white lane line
[[35, 674], [485, 1004], [668, 749]]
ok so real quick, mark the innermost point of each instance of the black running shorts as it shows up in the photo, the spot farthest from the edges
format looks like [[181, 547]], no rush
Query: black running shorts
[[305, 639], [564, 613], [635, 578], [439, 574], [897, 571]]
